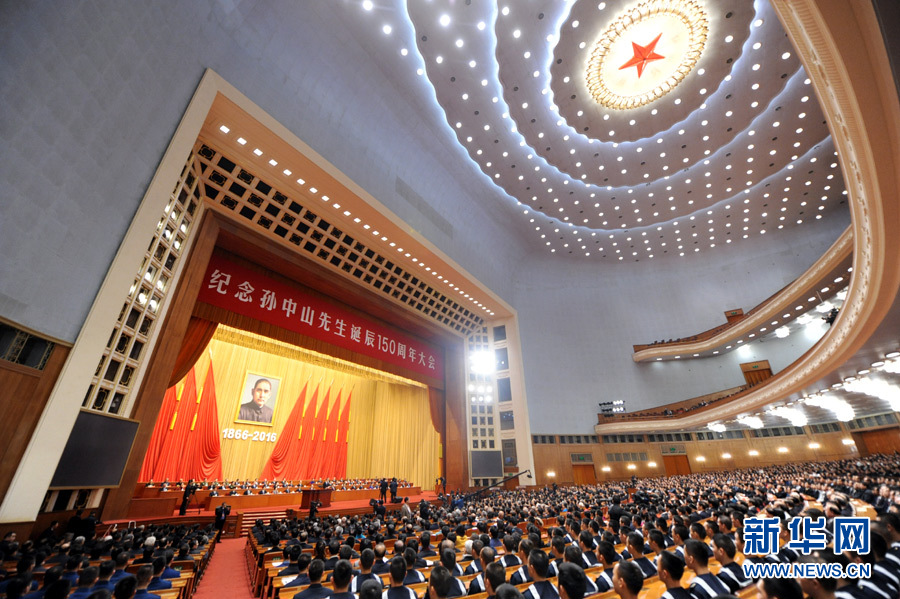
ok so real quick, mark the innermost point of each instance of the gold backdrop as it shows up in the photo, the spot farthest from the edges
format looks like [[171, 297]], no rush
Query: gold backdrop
[[390, 433]]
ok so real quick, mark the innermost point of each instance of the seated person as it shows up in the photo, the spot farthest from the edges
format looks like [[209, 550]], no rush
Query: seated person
[[671, 568], [541, 588], [341, 576], [494, 577], [510, 559], [779, 588], [301, 577], [606, 555], [86, 580], [439, 583], [142, 579], [412, 576], [398, 590], [636, 549], [315, 590], [157, 583], [366, 560], [456, 587], [572, 581], [628, 579], [523, 573], [704, 585], [731, 573]]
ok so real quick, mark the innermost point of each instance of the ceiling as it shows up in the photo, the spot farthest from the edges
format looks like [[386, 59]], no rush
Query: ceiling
[[738, 148]]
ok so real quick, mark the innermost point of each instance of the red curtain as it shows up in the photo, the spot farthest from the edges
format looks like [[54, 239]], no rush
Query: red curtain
[[284, 460], [159, 434], [196, 338], [205, 455]]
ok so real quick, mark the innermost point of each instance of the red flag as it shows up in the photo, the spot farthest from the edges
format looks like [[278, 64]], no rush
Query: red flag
[[329, 451], [170, 455], [287, 448], [314, 458], [160, 430], [343, 433], [206, 458], [307, 431]]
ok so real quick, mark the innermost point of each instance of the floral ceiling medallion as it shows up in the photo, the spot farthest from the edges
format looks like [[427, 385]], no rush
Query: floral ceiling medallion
[[646, 52]]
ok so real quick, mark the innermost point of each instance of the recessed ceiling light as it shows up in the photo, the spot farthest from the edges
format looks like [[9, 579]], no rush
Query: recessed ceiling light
[[224, 129], [387, 29], [444, 20], [241, 140], [367, 4], [258, 152]]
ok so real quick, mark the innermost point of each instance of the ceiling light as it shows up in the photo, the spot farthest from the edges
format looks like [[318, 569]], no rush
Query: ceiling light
[[367, 4], [753, 453], [795, 416], [224, 129], [814, 445], [444, 20], [387, 29]]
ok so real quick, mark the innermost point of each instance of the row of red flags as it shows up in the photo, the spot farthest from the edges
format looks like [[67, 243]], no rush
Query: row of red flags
[[186, 441]]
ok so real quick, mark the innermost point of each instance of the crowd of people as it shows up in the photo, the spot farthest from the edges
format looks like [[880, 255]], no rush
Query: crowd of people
[[264, 487], [601, 540], [75, 562], [567, 542]]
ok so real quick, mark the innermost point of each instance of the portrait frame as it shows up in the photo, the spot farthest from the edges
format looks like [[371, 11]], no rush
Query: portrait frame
[[251, 379]]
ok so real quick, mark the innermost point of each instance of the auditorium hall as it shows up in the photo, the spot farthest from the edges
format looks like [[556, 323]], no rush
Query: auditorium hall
[[516, 259]]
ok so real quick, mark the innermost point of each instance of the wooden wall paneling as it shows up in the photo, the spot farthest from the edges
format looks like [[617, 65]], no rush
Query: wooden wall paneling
[[25, 395], [885, 440], [159, 368], [555, 457], [583, 474], [456, 450]]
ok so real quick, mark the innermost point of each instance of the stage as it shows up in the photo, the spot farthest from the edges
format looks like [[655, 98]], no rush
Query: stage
[[242, 519]]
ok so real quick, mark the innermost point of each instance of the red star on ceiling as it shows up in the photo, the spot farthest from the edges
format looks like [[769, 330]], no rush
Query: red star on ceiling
[[642, 55]]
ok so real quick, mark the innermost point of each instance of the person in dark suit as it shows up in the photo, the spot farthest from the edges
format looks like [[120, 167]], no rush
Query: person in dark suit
[[393, 488], [315, 590], [572, 581], [343, 574], [143, 577], [221, 516], [256, 409], [382, 489]]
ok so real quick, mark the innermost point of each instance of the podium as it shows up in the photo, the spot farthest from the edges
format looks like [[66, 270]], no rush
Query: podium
[[308, 495]]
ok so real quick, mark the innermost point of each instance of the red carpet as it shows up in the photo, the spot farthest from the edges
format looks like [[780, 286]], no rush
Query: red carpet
[[226, 575]]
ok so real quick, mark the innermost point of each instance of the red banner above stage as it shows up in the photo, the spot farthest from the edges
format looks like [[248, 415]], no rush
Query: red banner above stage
[[247, 292]]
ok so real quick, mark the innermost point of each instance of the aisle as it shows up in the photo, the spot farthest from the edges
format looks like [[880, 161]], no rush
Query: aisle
[[226, 575]]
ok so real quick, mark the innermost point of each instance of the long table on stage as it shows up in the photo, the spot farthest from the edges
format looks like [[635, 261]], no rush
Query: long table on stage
[[202, 499], [296, 499]]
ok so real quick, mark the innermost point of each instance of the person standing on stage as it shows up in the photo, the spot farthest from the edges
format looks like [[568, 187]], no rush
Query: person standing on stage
[[393, 488], [382, 488]]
